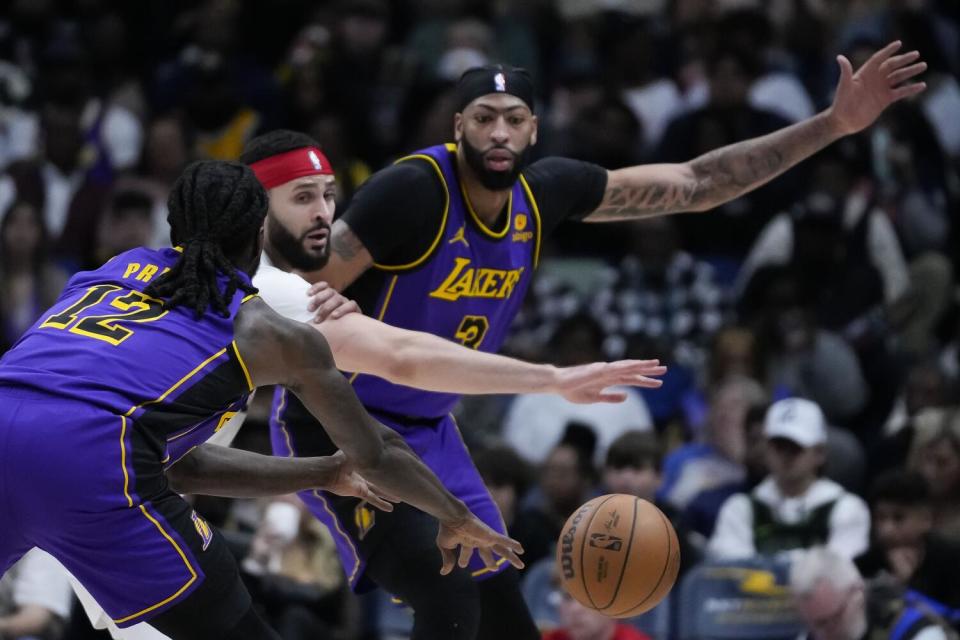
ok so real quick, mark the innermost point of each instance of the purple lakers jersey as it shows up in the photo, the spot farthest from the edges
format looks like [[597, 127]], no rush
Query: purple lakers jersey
[[109, 345], [467, 287]]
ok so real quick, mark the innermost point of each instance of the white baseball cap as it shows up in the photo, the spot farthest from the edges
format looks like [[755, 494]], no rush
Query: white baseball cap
[[798, 420]]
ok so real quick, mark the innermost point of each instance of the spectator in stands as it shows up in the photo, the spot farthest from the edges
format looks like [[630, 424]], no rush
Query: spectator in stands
[[126, 224], [633, 466], [567, 477], [904, 545], [727, 117], [536, 422], [935, 453], [506, 476], [35, 598], [292, 569], [715, 462], [578, 622], [792, 508], [926, 387], [59, 183], [836, 604], [29, 282]]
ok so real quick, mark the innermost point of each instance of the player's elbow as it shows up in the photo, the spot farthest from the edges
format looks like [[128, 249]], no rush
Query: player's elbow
[[370, 457]]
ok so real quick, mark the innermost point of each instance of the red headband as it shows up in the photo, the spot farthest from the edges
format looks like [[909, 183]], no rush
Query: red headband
[[284, 167]]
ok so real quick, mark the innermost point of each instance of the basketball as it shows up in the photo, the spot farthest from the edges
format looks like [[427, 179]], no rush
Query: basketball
[[618, 555]]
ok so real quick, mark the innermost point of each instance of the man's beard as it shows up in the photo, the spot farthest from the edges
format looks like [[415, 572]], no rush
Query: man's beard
[[493, 180], [291, 248]]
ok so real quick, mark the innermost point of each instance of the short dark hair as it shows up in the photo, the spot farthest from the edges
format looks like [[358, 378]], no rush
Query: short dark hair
[[636, 450], [274, 143], [900, 487], [128, 200], [501, 466]]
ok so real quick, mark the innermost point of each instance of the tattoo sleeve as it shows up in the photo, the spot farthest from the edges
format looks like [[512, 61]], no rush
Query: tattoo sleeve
[[713, 178], [344, 243]]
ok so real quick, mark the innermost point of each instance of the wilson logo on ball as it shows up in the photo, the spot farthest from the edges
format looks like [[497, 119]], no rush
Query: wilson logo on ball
[[566, 543], [603, 541]]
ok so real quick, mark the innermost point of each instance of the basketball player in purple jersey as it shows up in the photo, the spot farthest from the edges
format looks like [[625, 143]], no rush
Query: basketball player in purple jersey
[[452, 234], [108, 399]]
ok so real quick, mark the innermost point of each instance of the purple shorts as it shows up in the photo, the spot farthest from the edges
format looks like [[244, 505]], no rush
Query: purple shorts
[[85, 485]]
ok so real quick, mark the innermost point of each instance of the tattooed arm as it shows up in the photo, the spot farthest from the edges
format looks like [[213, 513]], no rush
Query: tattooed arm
[[726, 173]]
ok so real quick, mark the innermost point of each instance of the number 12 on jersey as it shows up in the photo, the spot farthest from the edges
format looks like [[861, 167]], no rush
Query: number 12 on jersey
[[471, 331], [134, 306]]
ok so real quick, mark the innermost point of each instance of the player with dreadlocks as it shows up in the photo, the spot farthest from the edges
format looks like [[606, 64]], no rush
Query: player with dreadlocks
[[109, 398]]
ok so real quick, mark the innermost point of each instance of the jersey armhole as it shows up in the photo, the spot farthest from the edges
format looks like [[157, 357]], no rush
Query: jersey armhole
[[536, 215], [443, 221]]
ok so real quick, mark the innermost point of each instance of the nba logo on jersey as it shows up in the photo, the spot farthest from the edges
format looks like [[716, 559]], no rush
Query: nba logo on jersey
[[315, 160], [206, 533], [499, 82]]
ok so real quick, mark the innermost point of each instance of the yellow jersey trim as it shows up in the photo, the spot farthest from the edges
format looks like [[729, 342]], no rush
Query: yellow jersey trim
[[383, 312], [249, 296], [179, 382], [243, 365], [193, 573], [536, 215], [443, 222], [497, 235], [178, 248], [123, 460]]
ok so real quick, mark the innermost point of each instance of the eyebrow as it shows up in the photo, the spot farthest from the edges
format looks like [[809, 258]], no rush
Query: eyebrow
[[330, 180], [480, 105]]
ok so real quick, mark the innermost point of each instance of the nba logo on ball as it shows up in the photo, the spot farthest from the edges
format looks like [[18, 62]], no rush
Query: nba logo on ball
[[315, 160], [499, 82], [618, 555]]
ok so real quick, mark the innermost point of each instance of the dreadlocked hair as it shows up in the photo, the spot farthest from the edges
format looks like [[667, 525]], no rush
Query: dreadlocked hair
[[274, 143], [215, 209]]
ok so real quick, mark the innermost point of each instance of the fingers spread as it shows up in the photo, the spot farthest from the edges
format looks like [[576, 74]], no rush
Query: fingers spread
[[846, 69], [909, 90], [448, 561], [899, 61], [906, 73], [487, 556], [884, 53], [465, 553], [511, 557]]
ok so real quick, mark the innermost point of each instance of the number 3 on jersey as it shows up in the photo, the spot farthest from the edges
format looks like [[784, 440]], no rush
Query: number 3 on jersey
[[136, 307], [472, 330]]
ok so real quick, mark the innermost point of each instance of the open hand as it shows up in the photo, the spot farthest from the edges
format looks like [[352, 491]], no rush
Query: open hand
[[350, 483], [327, 303], [586, 383], [881, 81], [471, 533]]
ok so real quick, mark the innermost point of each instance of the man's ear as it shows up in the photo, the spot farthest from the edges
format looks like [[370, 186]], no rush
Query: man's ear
[[457, 127]]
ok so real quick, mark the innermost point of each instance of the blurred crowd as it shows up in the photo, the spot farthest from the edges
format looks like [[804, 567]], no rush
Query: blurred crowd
[[812, 328]]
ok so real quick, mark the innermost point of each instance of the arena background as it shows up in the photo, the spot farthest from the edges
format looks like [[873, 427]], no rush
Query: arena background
[[835, 282]]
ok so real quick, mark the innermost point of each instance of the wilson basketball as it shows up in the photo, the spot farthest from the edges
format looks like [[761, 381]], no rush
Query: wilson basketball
[[619, 555]]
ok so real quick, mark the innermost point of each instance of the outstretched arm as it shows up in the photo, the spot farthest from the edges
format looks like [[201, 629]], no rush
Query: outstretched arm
[[280, 351], [426, 361], [726, 173], [233, 473]]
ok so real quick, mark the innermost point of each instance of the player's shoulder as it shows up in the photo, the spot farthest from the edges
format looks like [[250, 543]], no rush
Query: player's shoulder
[[559, 167]]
